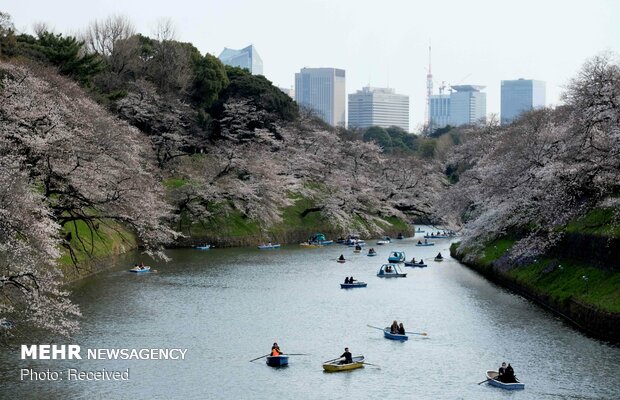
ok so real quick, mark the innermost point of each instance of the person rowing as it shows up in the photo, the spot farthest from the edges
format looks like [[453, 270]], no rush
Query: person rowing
[[341, 258], [439, 256], [394, 327], [275, 350], [348, 357], [401, 329]]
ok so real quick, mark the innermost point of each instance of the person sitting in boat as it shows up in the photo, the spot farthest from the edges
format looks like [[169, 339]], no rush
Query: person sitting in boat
[[421, 262], [419, 242], [341, 258], [509, 375], [141, 265], [394, 327], [358, 247], [346, 280], [401, 329], [348, 357], [351, 280], [501, 372], [439, 255], [388, 269], [275, 350], [413, 260], [425, 241]]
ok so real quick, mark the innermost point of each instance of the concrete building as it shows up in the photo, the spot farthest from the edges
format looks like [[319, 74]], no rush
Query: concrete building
[[439, 114], [247, 58], [468, 105], [519, 96], [322, 90], [378, 107]]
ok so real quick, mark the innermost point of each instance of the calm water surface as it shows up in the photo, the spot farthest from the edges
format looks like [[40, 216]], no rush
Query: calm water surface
[[227, 306]]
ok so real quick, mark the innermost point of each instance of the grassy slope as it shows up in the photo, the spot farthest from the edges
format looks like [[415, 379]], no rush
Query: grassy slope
[[601, 289], [109, 240]]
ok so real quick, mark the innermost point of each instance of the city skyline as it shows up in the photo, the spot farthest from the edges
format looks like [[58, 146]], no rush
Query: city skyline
[[474, 43]]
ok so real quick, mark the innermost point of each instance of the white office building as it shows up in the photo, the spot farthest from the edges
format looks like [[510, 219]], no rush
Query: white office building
[[322, 90], [468, 105], [378, 107]]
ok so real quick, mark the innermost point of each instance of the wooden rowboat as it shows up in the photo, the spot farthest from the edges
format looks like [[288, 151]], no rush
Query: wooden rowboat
[[393, 336], [336, 366], [353, 285], [492, 375], [277, 361], [410, 264]]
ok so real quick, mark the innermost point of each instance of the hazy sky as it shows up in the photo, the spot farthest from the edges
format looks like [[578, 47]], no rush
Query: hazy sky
[[377, 42]]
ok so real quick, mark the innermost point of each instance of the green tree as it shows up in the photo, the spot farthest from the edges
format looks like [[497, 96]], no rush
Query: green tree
[[209, 79], [380, 136]]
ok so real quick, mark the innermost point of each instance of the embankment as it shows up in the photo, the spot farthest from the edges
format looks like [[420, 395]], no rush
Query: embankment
[[586, 294]]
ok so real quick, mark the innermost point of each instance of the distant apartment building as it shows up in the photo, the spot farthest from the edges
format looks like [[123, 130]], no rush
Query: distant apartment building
[[322, 90], [288, 91], [519, 96], [468, 104], [439, 111], [247, 58], [378, 107]]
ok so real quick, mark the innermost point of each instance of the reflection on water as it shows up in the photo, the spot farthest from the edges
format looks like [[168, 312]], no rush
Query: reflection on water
[[227, 306]]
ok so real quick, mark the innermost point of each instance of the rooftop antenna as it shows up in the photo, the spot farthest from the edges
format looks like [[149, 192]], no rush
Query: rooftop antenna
[[429, 88]]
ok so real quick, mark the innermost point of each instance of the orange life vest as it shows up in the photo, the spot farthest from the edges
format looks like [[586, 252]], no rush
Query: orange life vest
[[275, 352]]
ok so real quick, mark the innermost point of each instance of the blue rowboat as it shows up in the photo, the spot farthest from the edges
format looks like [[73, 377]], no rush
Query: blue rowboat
[[277, 361], [436, 237], [269, 246], [326, 242], [372, 254], [410, 264], [394, 336], [205, 247], [425, 244], [139, 270], [420, 231], [492, 375], [353, 285], [396, 257]]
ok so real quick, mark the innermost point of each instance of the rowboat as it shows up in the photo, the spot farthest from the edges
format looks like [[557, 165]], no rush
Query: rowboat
[[393, 336], [326, 242], [205, 247], [277, 361], [353, 285], [382, 242], [341, 261], [425, 244], [139, 270], [400, 236], [436, 237], [269, 246], [390, 271], [492, 375], [420, 231], [337, 366], [372, 254], [438, 259], [410, 264], [397, 257]]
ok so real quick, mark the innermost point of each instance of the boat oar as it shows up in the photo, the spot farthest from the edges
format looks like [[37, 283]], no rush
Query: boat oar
[[258, 358], [417, 333], [325, 362], [374, 365], [376, 327], [488, 379], [295, 354]]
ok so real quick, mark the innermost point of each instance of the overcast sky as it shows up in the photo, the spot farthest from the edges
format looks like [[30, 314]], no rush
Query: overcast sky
[[378, 42]]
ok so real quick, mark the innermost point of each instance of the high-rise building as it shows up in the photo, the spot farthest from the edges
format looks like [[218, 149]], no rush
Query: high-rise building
[[519, 96], [378, 107], [468, 105], [247, 58], [322, 90], [439, 114]]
